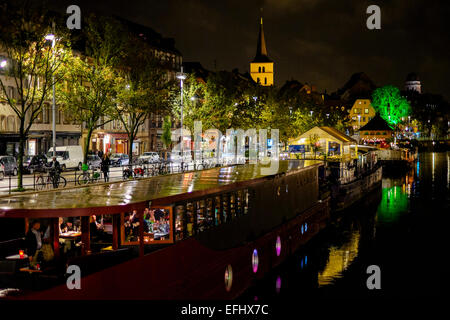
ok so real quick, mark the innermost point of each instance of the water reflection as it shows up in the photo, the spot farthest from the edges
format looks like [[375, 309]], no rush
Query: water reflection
[[339, 258], [388, 230]]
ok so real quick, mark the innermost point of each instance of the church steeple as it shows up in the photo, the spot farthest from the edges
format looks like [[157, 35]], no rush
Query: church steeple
[[261, 49], [261, 68]]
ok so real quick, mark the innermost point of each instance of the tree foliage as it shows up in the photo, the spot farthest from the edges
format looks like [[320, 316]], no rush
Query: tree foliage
[[31, 66], [390, 104], [88, 93]]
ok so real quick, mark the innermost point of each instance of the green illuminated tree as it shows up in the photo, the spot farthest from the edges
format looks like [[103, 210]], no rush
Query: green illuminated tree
[[390, 104]]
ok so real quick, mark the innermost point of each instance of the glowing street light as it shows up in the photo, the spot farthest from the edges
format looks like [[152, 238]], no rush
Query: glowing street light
[[182, 76], [3, 64], [359, 121], [311, 113], [52, 38]]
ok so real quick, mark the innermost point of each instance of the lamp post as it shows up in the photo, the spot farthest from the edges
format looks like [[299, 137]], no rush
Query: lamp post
[[52, 38], [182, 76], [359, 121]]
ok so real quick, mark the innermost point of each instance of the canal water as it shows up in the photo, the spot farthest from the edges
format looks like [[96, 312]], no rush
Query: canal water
[[400, 228]]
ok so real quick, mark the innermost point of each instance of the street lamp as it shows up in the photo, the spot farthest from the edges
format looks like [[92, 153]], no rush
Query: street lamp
[[3, 63], [182, 76], [52, 38], [359, 121], [311, 112]]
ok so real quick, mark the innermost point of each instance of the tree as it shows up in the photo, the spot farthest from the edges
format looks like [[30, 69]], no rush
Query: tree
[[31, 63], [141, 88], [314, 143], [88, 92], [167, 132], [390, 104]]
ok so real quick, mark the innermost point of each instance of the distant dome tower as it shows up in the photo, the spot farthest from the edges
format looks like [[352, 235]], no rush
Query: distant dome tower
[[261, 68], [412, 83]]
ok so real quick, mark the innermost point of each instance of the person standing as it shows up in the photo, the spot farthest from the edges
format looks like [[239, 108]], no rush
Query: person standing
[[34, 242], [105, 167]]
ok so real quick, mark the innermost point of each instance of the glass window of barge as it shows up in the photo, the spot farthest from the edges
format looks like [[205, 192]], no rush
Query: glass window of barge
[[157, 226]]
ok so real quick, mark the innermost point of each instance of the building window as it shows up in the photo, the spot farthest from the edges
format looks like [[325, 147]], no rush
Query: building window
[[257, 80], [265, 80], [46, 114], [259, 69], [10, 124], [366, 110], [264, 69]]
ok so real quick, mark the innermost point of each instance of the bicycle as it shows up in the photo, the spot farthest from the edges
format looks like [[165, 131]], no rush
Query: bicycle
[[86, 177], [127, 173], [53, 178]]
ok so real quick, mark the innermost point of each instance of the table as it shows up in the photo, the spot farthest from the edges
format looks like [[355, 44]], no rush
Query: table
[[17, 257], [158, 235], [30, 270], [70, 235]]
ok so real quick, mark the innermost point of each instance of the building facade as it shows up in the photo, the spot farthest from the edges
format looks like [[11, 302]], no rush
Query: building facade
[[361, 113], [41, 134]]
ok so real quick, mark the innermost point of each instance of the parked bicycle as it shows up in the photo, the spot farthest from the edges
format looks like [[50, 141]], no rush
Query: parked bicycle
[[86, 177]]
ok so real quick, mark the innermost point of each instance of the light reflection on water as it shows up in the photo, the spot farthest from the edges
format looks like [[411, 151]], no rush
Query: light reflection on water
[[389, 230], [339, 258]]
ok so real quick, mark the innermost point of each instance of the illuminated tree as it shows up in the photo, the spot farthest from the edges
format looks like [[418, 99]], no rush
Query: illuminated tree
[[390, 104], [30, 65]]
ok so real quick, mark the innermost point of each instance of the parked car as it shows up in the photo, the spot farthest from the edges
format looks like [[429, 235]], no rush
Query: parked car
[[148, 157], [34, 163], [9, 165], [94, 161], [69, 157], [175, 157], [119, 159]]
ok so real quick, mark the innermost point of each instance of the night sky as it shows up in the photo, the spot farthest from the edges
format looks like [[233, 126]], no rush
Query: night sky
[[321, 42]]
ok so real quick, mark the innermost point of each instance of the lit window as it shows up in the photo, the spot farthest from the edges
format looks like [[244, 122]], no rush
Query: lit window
[[228, 278], [366, 110], [306, 226], [278, 246], [278, 284], [255, 261]]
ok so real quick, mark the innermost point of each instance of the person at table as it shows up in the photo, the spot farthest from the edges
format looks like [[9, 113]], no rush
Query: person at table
[[147, 221], [159, 214], [164, 226], [34, 243]]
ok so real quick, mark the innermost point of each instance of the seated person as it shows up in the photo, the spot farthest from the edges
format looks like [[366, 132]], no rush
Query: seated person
[[159, 214]]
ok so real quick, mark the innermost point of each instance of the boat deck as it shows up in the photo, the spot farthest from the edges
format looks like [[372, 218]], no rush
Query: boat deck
[[124, 194]]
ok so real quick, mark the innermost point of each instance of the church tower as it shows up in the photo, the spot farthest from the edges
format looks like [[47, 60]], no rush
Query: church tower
[[261, 68]]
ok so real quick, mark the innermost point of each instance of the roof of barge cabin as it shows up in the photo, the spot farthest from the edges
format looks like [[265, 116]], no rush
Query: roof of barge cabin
[[125, 196], [328, 132]]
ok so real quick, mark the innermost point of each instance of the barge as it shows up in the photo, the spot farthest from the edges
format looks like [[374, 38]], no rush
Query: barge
[[224, 228]]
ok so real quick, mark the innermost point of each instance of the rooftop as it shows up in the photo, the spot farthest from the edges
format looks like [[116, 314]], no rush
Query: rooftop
[[377, 123]]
